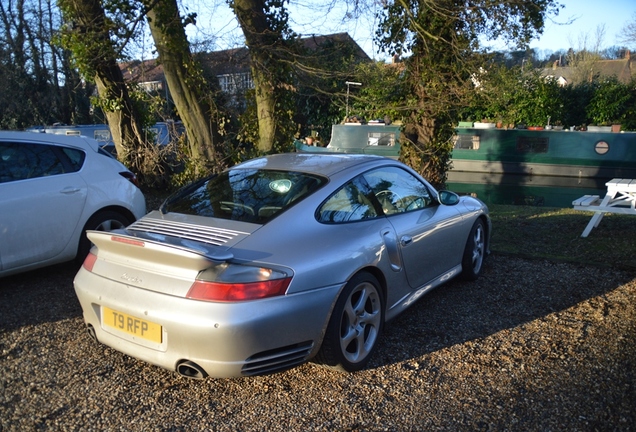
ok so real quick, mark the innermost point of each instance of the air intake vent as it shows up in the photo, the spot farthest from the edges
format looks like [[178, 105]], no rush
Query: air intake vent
[[209, 235], [277, 360]]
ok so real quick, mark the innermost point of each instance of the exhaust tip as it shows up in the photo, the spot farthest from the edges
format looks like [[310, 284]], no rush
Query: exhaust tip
[[91, 332], [190, 369]]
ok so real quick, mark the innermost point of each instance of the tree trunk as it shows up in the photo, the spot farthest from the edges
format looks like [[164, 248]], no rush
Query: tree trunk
[[185, 83], [260, 40], [92, 48]]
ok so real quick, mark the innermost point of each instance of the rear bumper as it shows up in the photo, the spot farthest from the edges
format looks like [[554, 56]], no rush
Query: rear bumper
[[224, 339]]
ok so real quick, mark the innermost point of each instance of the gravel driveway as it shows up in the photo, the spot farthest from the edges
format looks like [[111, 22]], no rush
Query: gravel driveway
[[532, 345]]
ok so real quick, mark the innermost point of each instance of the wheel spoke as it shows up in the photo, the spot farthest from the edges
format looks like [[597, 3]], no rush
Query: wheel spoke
[[360, 323], [478, 249], [347, 337], [349, 313], [363, 349]]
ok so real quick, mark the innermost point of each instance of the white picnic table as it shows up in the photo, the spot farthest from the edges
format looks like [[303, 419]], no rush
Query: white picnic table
[[620, 198]]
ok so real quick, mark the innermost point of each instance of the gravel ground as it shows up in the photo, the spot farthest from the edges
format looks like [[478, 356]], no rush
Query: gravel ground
[[532, 345]]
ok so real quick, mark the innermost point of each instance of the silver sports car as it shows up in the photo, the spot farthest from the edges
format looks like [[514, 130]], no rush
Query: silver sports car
[[277, 261]]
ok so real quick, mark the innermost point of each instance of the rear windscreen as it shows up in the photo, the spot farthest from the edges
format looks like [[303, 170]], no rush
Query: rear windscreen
[[248, 195]]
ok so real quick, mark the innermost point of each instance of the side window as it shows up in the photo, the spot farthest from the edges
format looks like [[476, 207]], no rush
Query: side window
[[348, 204], [25, 161], [75, 157], [397, 190]]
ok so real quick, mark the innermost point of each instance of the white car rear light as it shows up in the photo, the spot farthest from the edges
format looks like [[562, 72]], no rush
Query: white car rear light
[[89, 262]]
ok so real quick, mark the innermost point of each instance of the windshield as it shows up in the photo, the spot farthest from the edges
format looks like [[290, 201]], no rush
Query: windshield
[[248, 195]]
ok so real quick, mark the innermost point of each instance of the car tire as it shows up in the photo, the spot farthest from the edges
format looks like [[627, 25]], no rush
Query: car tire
[[355, 325], [106, 220], [475, 251]]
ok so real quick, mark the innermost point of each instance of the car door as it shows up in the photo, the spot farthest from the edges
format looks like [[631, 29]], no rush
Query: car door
[[426, 230], [42, 201]]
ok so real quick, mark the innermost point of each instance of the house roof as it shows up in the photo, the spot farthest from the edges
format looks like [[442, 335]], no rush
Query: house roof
[[142, 71], [230, 61], [313, 42], [624, 69]]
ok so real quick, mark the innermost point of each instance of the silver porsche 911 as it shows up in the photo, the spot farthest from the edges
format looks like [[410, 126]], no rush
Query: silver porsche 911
[[277, 261]]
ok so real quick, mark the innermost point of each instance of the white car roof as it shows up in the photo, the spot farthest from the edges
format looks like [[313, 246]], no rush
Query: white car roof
[[80, 142]]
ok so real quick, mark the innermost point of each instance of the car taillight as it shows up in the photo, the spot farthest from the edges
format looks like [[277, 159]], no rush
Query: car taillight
[[231, 282], [230, 292], [89, 262], [130, 177]]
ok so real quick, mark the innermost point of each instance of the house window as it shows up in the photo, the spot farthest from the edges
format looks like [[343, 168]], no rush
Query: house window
[[467, 142], [151, 86], [532, 144], [235, 83]]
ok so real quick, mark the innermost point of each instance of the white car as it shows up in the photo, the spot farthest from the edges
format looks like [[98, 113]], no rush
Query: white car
[[52, 189]]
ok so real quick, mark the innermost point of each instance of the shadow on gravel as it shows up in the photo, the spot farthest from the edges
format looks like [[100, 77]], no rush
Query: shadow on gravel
[[38, 296], [510, 292]]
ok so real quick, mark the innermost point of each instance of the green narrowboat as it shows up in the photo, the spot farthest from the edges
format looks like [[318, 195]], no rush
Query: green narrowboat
[[370, 138], [540, 167]]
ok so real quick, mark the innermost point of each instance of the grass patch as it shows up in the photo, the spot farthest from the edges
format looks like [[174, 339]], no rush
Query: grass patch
[[555, 234]]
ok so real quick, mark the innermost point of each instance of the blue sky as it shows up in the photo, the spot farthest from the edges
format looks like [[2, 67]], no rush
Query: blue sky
[[215, 20], [588, 15]]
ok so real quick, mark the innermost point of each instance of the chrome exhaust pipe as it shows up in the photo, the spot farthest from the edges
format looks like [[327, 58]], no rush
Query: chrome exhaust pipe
[[91, 332], [190, 369]]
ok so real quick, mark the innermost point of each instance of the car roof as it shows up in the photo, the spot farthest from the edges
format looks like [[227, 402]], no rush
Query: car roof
[[325, 164], [80, 142]]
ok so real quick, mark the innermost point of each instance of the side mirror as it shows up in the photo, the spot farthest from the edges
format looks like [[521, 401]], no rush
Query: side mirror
[[447, 197]]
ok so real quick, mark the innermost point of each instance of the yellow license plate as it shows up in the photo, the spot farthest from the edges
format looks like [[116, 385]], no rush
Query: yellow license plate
[[132, 325]]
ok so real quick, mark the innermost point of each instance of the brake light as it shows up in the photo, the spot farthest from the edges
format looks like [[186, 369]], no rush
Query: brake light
[[128, 241], [89, 262], [130, 177], [237, 291]]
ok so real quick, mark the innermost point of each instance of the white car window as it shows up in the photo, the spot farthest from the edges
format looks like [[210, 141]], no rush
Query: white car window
[[27, 161]]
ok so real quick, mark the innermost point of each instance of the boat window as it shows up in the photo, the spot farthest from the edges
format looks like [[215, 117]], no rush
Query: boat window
[[102, 135], [526, 144], [601, 147], [467, 142], [381, 139]]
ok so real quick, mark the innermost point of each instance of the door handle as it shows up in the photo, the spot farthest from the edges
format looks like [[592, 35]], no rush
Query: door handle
[[406, 240], [70, 190]]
